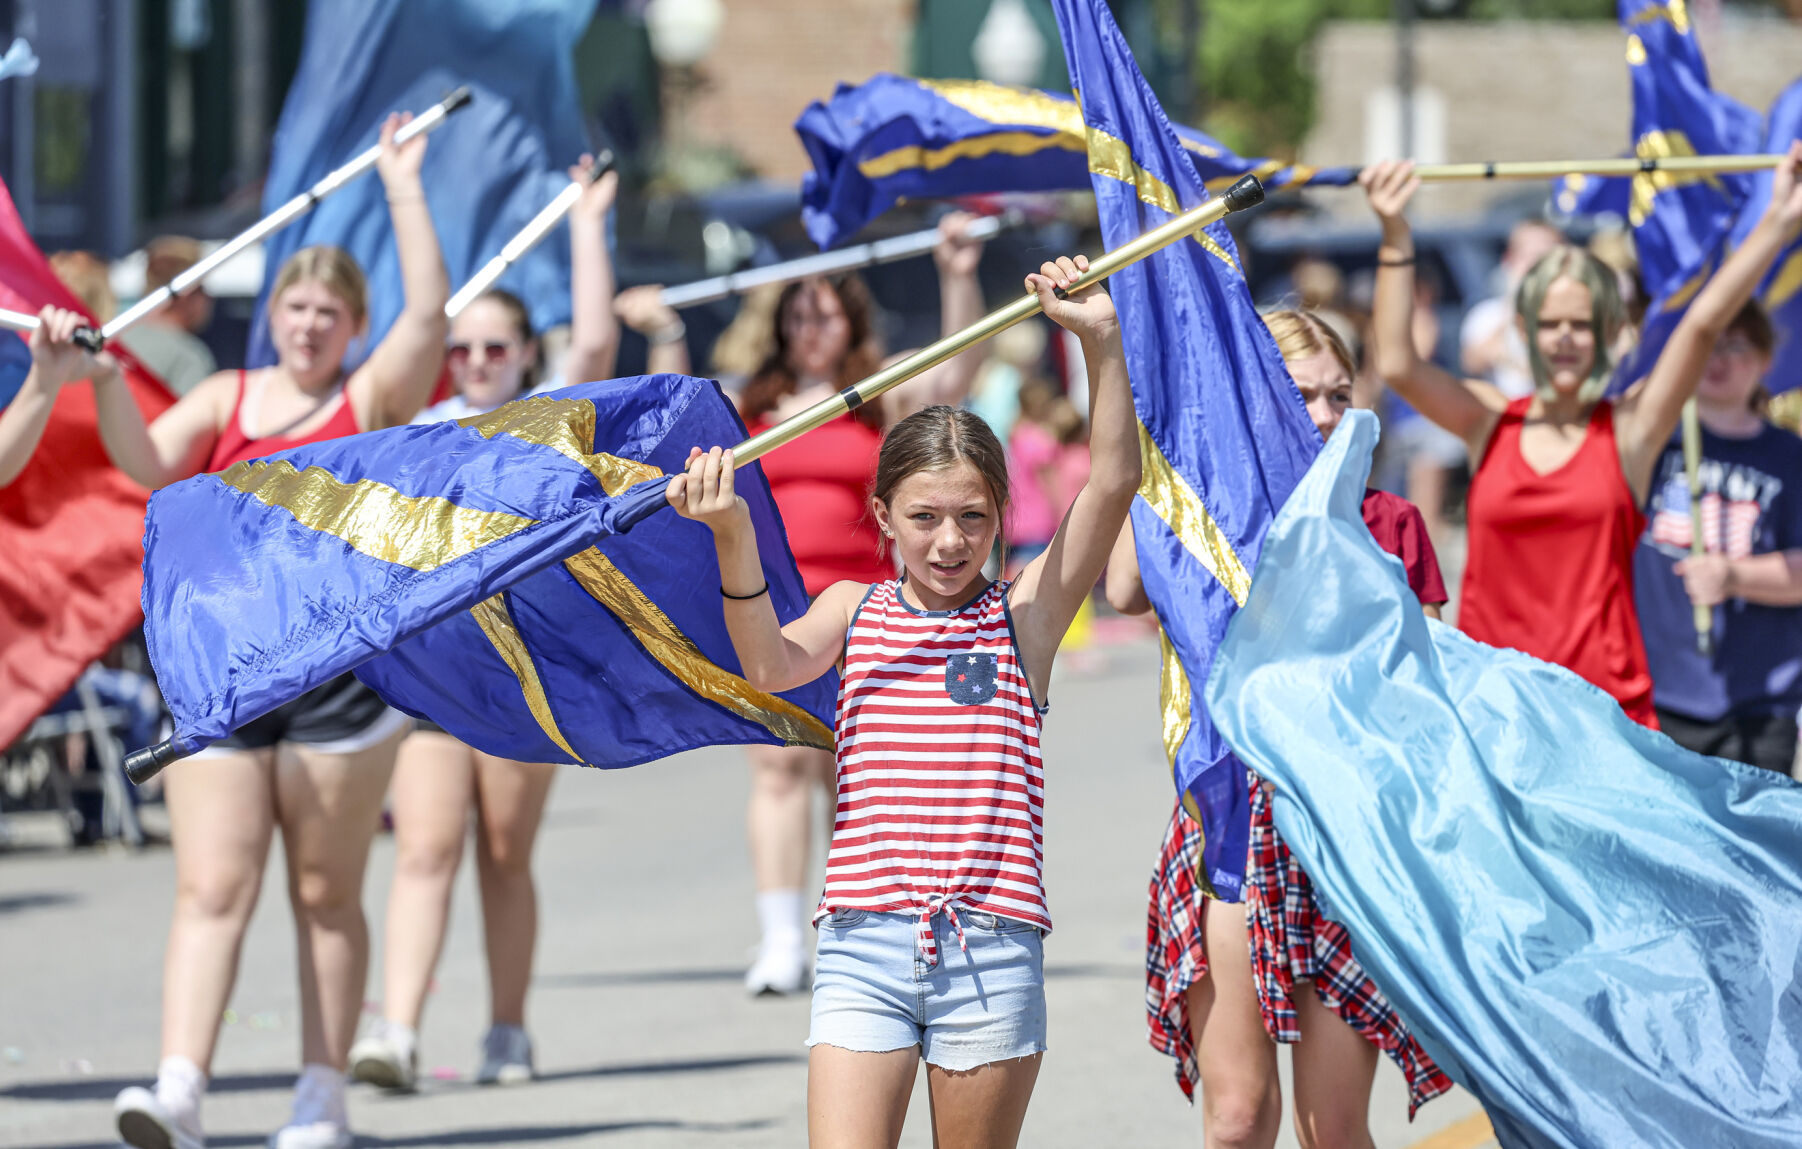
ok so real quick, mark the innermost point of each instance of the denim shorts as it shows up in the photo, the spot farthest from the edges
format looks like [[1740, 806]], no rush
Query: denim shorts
[[873, 993]]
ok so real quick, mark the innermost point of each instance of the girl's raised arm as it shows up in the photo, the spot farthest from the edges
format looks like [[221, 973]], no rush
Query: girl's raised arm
[[774, 657], [397, 380], [1467, 408], [594, 332], [1048, 593]]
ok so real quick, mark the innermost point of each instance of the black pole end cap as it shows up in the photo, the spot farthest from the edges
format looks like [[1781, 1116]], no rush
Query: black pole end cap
[[143, 765], [1246, 192], [604, 162], [457, 99], [89, 339]]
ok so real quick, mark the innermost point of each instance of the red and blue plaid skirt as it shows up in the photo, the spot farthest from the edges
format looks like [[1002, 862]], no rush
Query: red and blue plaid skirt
[[1291, 941]]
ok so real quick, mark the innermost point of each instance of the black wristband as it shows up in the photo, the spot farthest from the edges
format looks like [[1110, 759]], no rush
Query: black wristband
[[1407, 262], [745, 597]]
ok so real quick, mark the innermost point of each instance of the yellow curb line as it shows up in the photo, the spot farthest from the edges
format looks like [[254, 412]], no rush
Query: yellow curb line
[[1466, 1134]]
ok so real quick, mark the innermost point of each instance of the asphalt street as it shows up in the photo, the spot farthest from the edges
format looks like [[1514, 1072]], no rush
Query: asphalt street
[[644, 1035]]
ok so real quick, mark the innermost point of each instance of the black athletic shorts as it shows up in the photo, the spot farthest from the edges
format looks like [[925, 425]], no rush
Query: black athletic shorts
[[341, 717], [1767, 740]]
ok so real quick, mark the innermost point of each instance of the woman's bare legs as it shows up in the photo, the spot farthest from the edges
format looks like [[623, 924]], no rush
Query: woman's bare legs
[[858, 1100], [329, 806], [1334, 1070], [1241, 1097], [510, 798], [981, 1108], [779, 825], [431, 797], [221, 818]]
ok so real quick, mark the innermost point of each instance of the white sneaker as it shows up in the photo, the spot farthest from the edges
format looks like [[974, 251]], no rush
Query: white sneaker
[[506, 1056], [145, 1123], [313, 1135], [780, 969], [384, 1057]]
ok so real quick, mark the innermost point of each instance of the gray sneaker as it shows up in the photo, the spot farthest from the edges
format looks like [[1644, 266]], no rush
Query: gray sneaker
[[506, 1056]]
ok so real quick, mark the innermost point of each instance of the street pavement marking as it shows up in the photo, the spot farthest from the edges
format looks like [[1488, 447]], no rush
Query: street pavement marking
[[1470, 1133]]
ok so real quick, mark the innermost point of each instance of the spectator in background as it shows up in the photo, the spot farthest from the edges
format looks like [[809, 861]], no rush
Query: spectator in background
[[167, 340], [1320, 291], [995, 396], [1494, 350], [1037, 471], [1614, 247], [1741, 701], [85, 274], [1419, 453]]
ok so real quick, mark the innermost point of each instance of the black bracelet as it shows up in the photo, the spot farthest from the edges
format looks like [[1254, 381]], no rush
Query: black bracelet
[[1408, 262], [745, 597]]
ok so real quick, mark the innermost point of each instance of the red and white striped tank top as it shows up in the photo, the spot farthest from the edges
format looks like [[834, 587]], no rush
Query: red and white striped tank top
[[941, 789]]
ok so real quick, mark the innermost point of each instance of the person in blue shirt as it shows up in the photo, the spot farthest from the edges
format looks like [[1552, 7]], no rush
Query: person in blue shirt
[[1741, 701]]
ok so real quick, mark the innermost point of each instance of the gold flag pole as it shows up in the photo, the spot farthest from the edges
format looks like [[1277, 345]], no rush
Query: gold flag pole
[[1248, 192], [1692, 471], [1552, 169]]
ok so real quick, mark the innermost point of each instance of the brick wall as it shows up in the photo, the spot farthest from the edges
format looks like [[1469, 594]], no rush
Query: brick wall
[[774, 57], [1520, 91]]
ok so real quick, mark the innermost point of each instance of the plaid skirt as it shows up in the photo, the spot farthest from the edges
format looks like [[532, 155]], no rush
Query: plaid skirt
[[1290, 940]]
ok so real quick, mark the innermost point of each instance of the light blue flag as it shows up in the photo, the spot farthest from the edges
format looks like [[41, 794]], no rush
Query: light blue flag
[[487, 172], [1596, 932], [1223, 430], [1781, 291], [892, 138]]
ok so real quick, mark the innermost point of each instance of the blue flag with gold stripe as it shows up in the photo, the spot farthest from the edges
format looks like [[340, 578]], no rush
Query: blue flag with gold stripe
[[1223, 430], [892, 138], [1680, 221], [1781, 291], [477, 573]]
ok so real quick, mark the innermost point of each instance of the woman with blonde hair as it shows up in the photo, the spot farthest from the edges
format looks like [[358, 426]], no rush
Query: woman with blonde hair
[[1561, 474], [316, 767], [1226, 983]]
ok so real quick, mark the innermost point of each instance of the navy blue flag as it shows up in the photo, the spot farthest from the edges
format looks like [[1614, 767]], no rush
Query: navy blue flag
[[1680, 222], [1593, 930], [474, 573], [1224, 434], [487, 172], [1781, 291], [893, 138]]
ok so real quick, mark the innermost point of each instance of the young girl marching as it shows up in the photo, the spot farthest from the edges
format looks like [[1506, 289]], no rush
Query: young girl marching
[[934, 907], [1225, 982]]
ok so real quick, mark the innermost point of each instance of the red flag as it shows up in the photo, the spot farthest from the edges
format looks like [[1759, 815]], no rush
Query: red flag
[[71, 525]]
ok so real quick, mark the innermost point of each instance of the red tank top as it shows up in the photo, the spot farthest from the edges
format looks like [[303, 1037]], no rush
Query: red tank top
[[821, 483], [234, 446], [1550, 564]]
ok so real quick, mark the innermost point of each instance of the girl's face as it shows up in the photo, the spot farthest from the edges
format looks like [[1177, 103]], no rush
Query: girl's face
[[1735, 368], [943, 524], [1325, 388], [1566, 335], [311, 328], [817, 333], [487, 358]]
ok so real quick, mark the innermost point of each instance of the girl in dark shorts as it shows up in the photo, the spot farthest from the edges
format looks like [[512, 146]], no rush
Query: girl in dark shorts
[[317, 767], [1224, 982], [438, 781]]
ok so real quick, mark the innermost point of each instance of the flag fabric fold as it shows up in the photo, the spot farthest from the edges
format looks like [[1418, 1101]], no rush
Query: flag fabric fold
[[487, 172], [475, 573], [1593, 930], [1223, 430], [892, 138], [71, 524]]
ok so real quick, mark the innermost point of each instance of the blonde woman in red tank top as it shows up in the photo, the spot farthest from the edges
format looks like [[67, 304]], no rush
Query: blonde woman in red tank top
[[317, 767], [1554, 506], [934, 908]]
